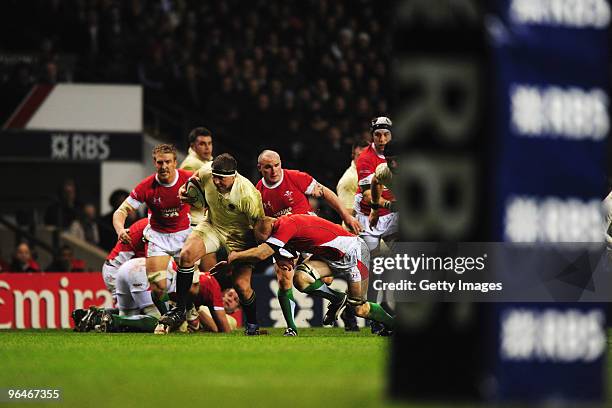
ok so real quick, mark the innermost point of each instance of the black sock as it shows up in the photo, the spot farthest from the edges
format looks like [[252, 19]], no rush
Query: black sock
[[160, 304], [250, 311], [184, 279]]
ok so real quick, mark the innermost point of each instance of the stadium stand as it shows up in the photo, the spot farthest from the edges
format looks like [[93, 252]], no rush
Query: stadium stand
[[259, 72]]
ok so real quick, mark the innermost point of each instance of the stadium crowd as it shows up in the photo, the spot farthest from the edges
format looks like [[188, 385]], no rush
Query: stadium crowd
[[302, 77]]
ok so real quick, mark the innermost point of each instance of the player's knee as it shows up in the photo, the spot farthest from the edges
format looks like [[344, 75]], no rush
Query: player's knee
[[187, 257], [242, 285], [328, 280], [284, 280], [157, 280], [244, 293], [304, 276], [300, 281]]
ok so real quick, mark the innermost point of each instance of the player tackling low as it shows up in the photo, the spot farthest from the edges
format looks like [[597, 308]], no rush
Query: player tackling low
[[335, 251], [285, 191]]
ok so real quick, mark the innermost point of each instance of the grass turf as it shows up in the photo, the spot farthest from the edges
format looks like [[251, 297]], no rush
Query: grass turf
[[214, 370], [322, 367]]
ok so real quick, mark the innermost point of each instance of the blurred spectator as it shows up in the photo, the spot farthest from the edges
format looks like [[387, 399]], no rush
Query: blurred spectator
[[67, 209], [23, 261], [108, 236], [86, 226], [4, 266], [66, 262], [332, 157]]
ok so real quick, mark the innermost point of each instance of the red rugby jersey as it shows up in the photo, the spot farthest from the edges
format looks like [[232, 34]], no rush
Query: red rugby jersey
[[166, 212], [289, 195], [315, 235], [122, 253], [366, 164], [210, 292]]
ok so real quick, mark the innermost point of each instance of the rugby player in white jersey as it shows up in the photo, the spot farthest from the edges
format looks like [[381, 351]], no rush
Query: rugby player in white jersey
[[234, 206]]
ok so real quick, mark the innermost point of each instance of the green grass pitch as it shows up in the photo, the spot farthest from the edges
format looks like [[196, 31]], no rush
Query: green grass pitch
[[321, 368]]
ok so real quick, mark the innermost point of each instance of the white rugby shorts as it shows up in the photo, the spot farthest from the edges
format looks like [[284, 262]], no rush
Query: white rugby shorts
[[165, 243]]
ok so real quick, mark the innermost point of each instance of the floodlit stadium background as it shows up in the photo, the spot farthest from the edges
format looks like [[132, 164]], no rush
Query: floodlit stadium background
[[501, 107]]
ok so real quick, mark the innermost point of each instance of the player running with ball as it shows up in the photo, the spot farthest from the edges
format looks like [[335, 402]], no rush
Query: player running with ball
[[234, 206]]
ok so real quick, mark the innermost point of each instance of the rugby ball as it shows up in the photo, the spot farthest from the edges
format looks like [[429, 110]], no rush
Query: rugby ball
[[196, 196]]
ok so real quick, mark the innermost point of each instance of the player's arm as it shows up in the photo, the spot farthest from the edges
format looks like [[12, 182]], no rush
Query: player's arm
[[376, 189], [119, 217], [207, 321], [346, 196], [254, 255], [334, 202], [221, 320]]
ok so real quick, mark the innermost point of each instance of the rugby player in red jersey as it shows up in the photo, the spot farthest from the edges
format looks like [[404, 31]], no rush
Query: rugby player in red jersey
[[168, 217], [285, 191], [123, 252], [209, 295], [334, 251], [386, 225]]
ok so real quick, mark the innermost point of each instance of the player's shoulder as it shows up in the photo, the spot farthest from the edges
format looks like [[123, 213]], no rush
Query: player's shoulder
[[149, 180], [290, 219], [184, 175], [300, 176], [244, 183], [205, 173], [147, 183], [367, 156], [259, 186], [349, 173], [291, 173], [187, 164], [244, 190]]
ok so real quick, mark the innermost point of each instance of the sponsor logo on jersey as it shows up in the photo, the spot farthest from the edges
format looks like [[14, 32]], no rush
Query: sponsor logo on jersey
[[170, 212], [284, 211]]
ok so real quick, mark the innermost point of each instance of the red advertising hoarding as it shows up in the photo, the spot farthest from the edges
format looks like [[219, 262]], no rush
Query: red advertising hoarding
[[45, 300]]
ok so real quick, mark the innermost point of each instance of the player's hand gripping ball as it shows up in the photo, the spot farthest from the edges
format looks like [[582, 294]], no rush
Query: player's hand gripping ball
[[194, 195]]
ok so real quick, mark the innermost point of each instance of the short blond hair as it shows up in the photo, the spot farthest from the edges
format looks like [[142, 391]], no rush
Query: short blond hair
[[164, 148]]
